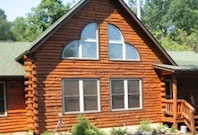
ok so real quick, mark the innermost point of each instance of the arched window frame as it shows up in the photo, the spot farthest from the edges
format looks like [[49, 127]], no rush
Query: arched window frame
[[123, 46], [82, 41]]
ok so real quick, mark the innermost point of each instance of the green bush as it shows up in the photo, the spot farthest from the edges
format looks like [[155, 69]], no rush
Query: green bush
[[46, 133], [84, 127], [145, 126], [118, 131]]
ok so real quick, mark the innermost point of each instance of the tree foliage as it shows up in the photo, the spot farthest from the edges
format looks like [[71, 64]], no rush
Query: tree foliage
[[172, 22], [5, 27], [39, 19]]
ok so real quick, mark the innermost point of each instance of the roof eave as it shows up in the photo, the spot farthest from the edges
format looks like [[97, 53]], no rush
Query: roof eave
[[12, 76], [176, 71], [21, 55], [156, 66]]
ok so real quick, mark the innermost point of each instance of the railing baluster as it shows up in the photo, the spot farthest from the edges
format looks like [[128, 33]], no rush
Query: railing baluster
[[184, 111]]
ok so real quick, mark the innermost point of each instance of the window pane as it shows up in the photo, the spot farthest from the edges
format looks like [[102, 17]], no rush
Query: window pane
[[71, 95], [134, 101], [89, 31], [1, 91], [114, 33], [91, 103], [115, 51], [117, 87], [118, 102], [90, 87], [72, 104], [72, 49], [133, 86], [131, 52], [2, 106], [71, 87], [89, 49], [2, 100]]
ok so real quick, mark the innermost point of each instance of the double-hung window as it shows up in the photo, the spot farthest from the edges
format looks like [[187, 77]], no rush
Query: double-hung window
[[86, 47], [126, 94], [2, 99], [81, 95]]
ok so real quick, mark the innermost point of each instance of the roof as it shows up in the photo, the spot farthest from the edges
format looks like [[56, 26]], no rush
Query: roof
[[60, 22], [184, 58], [187, 61], [9, 51]]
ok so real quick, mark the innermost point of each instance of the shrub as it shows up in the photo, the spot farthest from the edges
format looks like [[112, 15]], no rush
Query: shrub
[[118, 131], [46, 133], [145, 126], [84, 127]]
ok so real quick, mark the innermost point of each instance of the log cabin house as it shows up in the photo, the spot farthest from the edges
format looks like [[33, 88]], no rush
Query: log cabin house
[[97, 60]]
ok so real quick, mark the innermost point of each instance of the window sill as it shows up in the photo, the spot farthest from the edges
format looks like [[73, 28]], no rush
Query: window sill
[[82, 59], [121, 60], [68, 113], [131, 109], [3, 115]]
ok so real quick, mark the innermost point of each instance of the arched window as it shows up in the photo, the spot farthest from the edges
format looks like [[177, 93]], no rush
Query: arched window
[[118, 48], [86, 47]]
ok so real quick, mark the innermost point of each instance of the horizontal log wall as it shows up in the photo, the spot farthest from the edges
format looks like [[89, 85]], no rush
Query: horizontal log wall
[[51, 69], [15, 121]]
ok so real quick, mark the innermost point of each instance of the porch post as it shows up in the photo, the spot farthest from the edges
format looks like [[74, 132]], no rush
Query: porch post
[[174, 86]]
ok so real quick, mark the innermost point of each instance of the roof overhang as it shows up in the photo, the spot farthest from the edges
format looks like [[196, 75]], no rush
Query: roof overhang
[[13, 77], [171, 69]]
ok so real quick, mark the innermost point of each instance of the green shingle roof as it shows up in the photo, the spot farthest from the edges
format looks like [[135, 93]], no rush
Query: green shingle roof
[[185, 58], [9, 51], [187, 61]]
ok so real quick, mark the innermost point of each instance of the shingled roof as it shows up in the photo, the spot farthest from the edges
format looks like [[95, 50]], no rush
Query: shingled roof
[[187, 62], [185, 58], [9, 51]]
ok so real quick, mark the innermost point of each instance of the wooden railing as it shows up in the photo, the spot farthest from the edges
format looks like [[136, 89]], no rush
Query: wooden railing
[[185, 112]]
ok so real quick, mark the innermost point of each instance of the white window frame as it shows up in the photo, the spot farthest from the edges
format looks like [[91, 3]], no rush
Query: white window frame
[[124, 44], [81, 97], [126, 107], [5, 102], [80, 51]]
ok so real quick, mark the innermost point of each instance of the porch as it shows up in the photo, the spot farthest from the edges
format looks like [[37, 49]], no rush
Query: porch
[[179, 95], [182, 112]]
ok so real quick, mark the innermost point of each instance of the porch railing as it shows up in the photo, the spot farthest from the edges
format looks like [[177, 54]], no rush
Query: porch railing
[[185, 112]]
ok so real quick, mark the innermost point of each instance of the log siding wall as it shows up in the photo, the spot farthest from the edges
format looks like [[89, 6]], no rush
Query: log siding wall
[[15, 121], [31, 94], [51, 69]]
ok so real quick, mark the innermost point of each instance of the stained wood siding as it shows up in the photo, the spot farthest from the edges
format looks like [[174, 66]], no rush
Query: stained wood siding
[[31, 94], [15, 121], [51, 69]]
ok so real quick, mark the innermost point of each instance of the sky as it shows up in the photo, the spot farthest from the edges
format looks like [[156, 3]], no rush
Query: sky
[[18, 8]]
